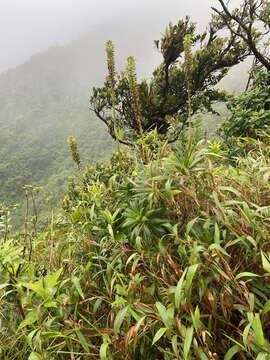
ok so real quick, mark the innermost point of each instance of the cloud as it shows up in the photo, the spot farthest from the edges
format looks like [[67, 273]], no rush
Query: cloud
[[30, 26]]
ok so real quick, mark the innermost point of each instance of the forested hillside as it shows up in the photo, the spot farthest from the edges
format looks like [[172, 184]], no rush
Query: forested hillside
[[42, 103]]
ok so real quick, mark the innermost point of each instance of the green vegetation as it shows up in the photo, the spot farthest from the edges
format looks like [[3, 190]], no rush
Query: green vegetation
[[192, 65], [185, 81], [158, 255], [44, 101], [41, 104], [161, 252], [250, 112]]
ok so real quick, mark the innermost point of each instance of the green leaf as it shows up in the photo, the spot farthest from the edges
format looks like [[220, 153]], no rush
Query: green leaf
[[245, 334], [263, 356], [250, 317], [51, 335], [266, 307], [159, 334], [30, 337], [188, 341], [51, 279], [50, 304], [265, 262], [120, 318], [110, 229], [118, 302], [179, 290], [35, 356], [83, 341], [251, 240], [230, 189], [189, 278], [103, 350], [97, 304], [131, 258], [30, 318], [174, 345], [231, 352], [92, 212], [76, 282], [217, 234], [163, 314], [196, 318], [190, 225], [258, 330], [38, 288], [246, 274]]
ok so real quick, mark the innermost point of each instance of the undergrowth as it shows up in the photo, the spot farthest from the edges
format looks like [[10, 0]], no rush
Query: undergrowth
[[163, 254]]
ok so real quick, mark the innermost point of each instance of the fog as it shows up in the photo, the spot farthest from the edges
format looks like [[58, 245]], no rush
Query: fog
[[59, 45], [31, 26]]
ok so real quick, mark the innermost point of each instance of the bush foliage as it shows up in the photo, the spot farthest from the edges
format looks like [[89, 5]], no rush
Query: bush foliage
[[250, 112], [163, 254]]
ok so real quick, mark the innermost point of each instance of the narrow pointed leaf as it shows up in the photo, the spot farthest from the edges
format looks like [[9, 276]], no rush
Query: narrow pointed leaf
[[188, 341], [231, 352], [159, 334], [120, 318]]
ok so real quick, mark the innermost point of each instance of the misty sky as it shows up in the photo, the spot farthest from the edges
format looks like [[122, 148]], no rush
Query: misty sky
[[31, 26]]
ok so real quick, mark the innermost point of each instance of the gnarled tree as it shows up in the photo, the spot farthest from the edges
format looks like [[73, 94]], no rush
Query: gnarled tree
[[183, 84]]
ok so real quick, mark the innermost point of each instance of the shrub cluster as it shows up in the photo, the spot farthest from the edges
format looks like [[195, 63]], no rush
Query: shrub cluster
[[152, 257]]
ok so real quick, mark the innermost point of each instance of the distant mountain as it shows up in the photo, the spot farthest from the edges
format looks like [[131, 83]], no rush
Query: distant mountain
[[42, 103]]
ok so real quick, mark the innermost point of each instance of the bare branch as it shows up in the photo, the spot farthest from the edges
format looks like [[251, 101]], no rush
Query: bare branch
[[245, 29]]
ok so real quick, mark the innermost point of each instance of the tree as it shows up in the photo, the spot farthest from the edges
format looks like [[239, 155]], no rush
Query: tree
[[183, 84], [250, 23], [250, 112]]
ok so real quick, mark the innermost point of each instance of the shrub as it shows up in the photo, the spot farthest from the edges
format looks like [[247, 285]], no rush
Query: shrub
[[250, 112], [168, 259]]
